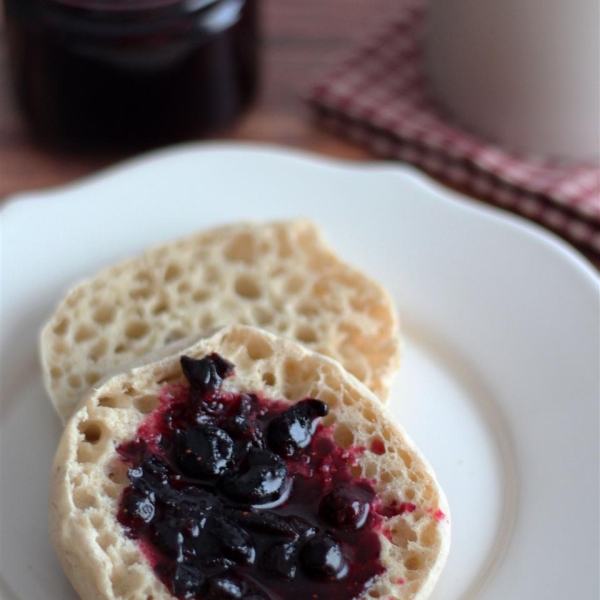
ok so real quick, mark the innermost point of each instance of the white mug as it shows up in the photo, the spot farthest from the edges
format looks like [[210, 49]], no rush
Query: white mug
[[522, 73]]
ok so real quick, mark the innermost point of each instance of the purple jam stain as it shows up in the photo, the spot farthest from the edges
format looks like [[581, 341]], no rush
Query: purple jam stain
[[237, 497], [406, 507], [438, 515], [377, 447], [395, 508]]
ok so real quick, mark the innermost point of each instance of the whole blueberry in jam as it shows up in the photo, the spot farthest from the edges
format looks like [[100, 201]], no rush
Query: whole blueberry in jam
[[293, 429], [225, 588], [261, 479], [188, 582], [347, 506], [233, 588], [206, 376], [281, 560], [139, 504], [322, 557], [203, 450], [236, 543], [238, 497]]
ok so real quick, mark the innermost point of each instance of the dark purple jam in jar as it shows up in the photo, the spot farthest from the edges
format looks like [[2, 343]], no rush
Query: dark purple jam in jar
[[132, 72]]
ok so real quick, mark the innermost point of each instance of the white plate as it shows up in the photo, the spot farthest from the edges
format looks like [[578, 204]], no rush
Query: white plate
[[499, 385]]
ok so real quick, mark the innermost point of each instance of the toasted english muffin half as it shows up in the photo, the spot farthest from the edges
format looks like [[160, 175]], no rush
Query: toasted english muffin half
[[282, 277], [409, 515]]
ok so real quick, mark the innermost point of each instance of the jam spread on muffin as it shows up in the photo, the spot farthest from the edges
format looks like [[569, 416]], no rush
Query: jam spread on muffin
[[233, 496]]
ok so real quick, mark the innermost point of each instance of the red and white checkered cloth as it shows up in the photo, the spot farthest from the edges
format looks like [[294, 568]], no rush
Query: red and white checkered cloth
[[377, 96]]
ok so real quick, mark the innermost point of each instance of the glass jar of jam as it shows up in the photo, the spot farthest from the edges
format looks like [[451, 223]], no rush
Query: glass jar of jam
[[134, 72]]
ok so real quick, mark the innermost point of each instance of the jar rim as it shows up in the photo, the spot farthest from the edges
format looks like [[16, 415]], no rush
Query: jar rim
[[130, 5]]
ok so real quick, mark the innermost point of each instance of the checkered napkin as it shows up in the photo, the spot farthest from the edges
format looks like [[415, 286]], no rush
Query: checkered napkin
[[377, 96]]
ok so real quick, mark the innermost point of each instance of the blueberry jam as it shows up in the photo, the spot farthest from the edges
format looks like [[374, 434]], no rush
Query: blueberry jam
[[237, 497]]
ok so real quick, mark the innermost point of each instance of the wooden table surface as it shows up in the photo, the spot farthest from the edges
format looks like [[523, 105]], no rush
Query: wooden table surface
[[300, 39]]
